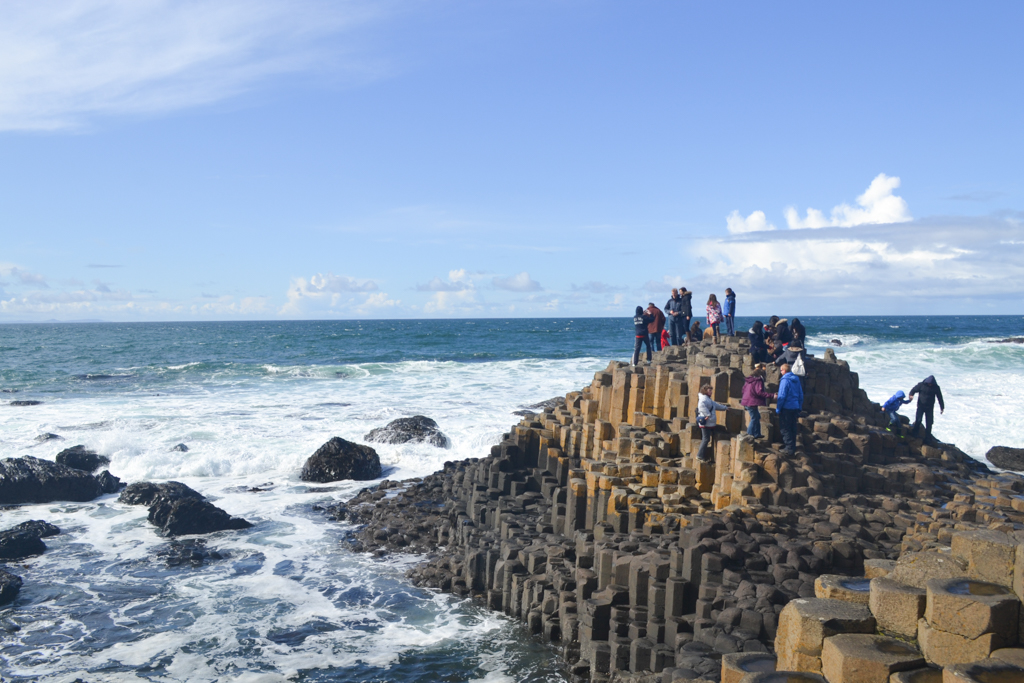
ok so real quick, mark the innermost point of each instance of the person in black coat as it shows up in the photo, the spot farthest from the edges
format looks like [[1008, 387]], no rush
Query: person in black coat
[[758, 348], [640, 322], [927, 391]]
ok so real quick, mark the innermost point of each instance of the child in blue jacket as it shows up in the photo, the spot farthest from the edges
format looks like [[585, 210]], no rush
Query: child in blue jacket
[[891, 408]]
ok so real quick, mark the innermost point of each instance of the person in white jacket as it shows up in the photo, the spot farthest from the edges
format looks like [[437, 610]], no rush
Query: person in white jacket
[[706, 421]]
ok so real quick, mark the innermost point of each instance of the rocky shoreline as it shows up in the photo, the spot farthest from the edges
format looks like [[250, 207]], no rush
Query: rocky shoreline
[[593, 523]]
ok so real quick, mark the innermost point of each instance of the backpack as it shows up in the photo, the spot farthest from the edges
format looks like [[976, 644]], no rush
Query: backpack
[[798, 367]]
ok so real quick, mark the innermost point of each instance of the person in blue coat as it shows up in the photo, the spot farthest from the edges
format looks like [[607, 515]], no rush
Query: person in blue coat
[[789, 403], [729, 311], [891, 408]]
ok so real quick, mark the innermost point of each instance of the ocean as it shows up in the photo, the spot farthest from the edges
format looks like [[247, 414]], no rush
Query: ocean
[[252, 401]]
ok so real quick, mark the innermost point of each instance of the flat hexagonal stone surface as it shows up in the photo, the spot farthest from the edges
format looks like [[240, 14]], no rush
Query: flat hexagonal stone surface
[[784, 677], [917, 676], [863, 658], [738, 664], [836, 587], [985, 671], [971, 608], [917, 569], [806, 622]]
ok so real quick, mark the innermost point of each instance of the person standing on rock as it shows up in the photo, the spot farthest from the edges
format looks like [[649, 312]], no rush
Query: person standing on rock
[[640, 322], [754, 397], [927, 391], [758, 347], [655, 327], [714, 310], [707, 422], [686, 298], [729, 311], [676, 319], [790, 401]]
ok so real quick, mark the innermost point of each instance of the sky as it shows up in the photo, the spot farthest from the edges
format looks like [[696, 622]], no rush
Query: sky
[[306, 159]]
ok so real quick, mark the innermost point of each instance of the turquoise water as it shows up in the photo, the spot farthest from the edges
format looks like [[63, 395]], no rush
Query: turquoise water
[[253, 400]]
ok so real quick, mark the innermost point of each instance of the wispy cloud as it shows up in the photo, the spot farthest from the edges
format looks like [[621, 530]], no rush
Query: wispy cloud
[[64, 61], [756, 221], [520, 282]]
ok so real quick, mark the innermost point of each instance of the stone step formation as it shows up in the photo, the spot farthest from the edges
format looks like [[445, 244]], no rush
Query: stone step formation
[[593, 523]]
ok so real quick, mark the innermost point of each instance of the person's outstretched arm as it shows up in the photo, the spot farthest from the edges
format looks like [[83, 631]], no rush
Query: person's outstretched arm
[[938, 395]]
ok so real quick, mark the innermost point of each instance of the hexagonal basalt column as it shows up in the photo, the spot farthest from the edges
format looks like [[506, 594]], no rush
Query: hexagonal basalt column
[[972, 608], [805, 623], [917, 676], [784, 677], [737, 665], [985, 671], [896, 606], [863, 658]]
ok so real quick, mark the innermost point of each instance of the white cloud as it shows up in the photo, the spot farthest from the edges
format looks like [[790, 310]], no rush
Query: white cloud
[[63, 61], [756, 221], [517, 283], [450, 302], [877, 205], [325, 292]]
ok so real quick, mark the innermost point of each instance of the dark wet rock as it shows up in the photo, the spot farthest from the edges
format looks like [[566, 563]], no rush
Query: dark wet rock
[[108, 482], [81, 458], [1006, 458], [47, 436], [8, 391], [415, 429], [180, 448], [25, 539], [145, 492], [340, 459], [26, 403], [537, 408], [836, 342], [1010, 340], [32, 480], [189, 553], [10, 584], [178, 510]]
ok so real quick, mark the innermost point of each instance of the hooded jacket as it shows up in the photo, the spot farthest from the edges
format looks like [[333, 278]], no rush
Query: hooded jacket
[[894, 403], [729, 305], [928, 390], [658, 323], [687, 306], [798, 330], [756, 337], [706, 406], [791, 393], [790, 357], [754, 393], [640, 321], [782, 333]]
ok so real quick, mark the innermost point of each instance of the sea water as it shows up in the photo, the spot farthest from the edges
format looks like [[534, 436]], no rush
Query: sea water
[[252, 401]]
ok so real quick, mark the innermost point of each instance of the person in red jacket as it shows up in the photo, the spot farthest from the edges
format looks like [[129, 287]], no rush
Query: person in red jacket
[[656, 326], [664, 339], [755, 396]]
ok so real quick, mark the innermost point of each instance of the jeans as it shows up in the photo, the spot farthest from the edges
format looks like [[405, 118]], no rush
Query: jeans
[[788, 425], [928, 413], [646, 340], [894, 421], [754, 428], [706, 440], [676, 330], [656, 340], [714, 326], [730, 320]]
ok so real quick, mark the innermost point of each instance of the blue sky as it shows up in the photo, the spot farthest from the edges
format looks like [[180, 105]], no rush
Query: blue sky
[[307, 159]]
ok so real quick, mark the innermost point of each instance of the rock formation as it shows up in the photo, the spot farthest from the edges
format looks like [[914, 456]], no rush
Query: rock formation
[[415, 429], [1006, 458], [31, 480], [340, 459], [25, 539], [593, 524], [178, 510], [81, 458]]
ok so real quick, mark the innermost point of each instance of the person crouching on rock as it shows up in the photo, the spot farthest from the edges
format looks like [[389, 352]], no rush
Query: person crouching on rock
[[927, 390], [707, 422], [695, 333], [790, 401], [640, 322], [755, 396], [891, 408]]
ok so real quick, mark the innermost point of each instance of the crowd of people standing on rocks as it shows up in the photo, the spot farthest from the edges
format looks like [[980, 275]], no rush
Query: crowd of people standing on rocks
[[780, 342]]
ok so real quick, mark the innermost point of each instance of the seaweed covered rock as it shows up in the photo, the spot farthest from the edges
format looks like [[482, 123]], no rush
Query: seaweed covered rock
[[32, 480], [415, 429], [178, 510], [340, 459], [81, 458], [10, 584], [25, 539], [1006, 458]]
